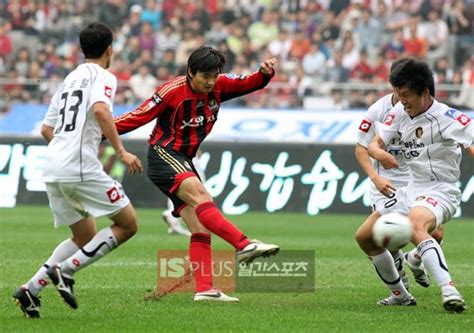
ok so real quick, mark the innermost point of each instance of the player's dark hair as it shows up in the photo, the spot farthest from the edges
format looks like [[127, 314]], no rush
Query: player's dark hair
[[95, 39], [205, 59], [414, 74]]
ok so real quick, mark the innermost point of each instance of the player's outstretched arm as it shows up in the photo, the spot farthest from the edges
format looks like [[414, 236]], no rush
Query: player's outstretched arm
[[382, 184], [106, 123], [376, 150]]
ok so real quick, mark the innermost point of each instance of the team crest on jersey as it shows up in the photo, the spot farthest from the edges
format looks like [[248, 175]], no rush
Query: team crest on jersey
[[213, 106], [389, 119], [108, 91], [419, 198], [114, 194], [419, 132], [463, 119], [365, 126]]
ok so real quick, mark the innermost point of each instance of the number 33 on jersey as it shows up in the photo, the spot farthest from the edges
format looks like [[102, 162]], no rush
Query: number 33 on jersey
[[72, 154]]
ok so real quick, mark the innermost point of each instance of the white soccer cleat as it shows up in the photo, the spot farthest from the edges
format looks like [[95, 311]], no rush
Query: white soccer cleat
[[452, 300], [256, 249], [174, 225], [421, 277], [214, 296], [408, 300]]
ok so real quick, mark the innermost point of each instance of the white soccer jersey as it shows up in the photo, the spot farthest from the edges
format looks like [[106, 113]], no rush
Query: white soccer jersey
[[374, 117], [72, 154], [431, 141]]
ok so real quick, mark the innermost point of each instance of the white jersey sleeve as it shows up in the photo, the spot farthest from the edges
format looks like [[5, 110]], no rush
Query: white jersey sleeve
[[389, 129], [375, 114], [460, 129], [51, 117], [366, 131], [103, 89]]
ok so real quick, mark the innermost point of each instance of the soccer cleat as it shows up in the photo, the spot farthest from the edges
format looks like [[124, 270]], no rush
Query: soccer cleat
[[214, 295], [63, 285], [421, 277], [27, 302], [453, 301], [408, 300], [174, 226], [256, 249]]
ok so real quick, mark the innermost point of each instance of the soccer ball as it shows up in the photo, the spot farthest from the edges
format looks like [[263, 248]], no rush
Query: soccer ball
[[392, 231]]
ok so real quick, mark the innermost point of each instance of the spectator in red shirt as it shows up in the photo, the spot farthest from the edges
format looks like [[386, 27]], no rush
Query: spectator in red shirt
[[300, 45], [415, 46], [6, 47], [380, 70], [362, 70]]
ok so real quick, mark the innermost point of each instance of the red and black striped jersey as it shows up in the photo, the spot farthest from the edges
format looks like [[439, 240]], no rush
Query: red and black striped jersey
[[183, 117]]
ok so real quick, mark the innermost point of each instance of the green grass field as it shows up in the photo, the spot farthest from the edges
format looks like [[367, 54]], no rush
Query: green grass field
[[111, 292]]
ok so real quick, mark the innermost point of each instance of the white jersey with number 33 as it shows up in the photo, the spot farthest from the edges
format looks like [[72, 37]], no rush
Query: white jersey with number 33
[[72, 155]]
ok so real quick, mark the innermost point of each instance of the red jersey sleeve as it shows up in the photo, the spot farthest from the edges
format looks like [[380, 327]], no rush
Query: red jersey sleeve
[[146, 112], [232, 86]]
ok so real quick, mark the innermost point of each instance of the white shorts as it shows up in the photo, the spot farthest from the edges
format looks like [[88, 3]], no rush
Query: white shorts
[[71, 202], [442, 199], [375, 197]]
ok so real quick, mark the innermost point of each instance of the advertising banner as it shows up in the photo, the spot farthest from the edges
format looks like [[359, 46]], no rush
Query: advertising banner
[[242, 177]]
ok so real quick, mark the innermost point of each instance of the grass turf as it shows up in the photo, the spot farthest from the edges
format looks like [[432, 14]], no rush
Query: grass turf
[[111, 292]]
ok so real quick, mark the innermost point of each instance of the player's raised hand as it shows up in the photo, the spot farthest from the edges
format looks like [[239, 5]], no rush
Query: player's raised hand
[[132, 162], [267, 66]]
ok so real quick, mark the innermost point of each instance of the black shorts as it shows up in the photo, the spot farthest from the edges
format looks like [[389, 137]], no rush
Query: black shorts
[[167, 169]]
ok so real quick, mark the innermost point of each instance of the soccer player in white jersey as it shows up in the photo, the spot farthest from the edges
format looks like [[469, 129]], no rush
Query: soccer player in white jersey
[[382, 179], [78, 188], [388, 181], [432, 135]]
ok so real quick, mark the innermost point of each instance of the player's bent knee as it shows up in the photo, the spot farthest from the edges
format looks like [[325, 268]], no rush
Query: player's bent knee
[[437, 235], [362, 236]]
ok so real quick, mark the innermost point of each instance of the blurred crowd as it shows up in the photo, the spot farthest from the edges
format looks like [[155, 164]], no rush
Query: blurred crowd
[[335, 54]]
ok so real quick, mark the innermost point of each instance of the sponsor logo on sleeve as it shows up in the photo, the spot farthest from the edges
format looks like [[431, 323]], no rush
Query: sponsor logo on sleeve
[[365, 126], [108, 91], [156, 98], [463, 119], [114, 194], [389, 119], [451, 113], [235, 76]]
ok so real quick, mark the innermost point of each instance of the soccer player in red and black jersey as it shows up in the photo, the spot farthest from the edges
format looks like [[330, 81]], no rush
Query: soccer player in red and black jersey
[[185, 110]]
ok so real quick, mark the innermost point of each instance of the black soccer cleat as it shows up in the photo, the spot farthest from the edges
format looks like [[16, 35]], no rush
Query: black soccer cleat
[[27, 302], [63, 284]]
